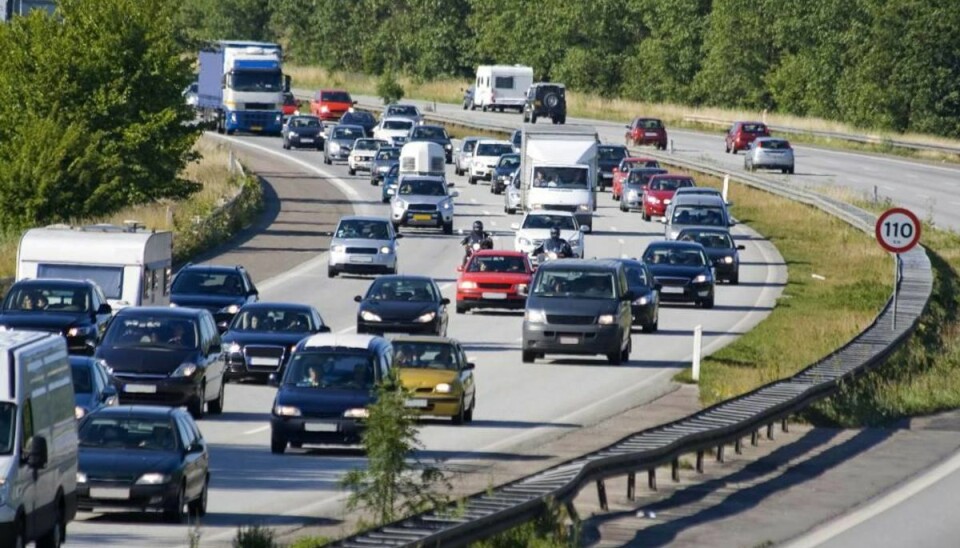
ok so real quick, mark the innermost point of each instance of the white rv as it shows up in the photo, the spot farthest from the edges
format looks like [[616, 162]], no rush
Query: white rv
[[38, 439], [422, 158], [131, 265], [501, 86], [559, 170]]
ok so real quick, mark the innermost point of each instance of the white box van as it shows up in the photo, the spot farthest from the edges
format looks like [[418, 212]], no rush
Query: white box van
[[559, 170], [131, 265], [38, 440], [501, 86]]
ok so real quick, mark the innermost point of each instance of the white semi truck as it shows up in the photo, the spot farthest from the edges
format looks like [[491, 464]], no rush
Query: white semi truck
[[559, 170]]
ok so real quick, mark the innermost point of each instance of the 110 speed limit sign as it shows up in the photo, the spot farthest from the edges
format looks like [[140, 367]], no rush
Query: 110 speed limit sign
[[898, 230]]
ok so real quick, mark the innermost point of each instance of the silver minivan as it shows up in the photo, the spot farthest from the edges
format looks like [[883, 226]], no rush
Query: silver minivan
[[363, 245], [696, 210]]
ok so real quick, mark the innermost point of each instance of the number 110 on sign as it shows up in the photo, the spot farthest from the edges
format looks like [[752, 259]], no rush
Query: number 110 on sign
[[898, 230]]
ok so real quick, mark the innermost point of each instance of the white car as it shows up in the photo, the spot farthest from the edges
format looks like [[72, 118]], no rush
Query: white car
[[410, 112], [536, 226], [361, 157], [393, 130], [485, 157]]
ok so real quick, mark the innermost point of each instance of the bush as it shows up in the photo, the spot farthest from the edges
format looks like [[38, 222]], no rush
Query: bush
[[254, 536], [389, 89]]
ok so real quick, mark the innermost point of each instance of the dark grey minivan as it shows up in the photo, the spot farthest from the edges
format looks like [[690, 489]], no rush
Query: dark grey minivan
[[578, 307]]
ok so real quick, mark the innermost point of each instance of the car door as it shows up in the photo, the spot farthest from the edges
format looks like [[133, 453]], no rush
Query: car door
[[103, 316], [625, 309], [466, 377], [214, 361], [193, 461]]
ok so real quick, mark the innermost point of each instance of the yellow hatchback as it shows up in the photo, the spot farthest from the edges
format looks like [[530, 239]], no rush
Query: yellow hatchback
[[436, 372]]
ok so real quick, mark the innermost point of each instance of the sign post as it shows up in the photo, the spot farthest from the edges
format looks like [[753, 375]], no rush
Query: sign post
[[897, 231]]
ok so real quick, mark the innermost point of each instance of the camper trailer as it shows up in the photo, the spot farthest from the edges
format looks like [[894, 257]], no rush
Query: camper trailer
[[422, 158], [498, 87], [132, 265]]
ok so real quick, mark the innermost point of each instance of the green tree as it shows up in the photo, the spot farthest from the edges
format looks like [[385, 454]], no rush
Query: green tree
[[206, 20]]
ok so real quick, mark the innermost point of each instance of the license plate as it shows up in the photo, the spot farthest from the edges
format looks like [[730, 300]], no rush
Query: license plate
[[361, 259], [669, 289], [320, 427], [256, 128], [113, 493], [306, 140], [422, 217], [607, 175], [416, 404], [494, 295], [651, 134], [264, 361], [140, 389], [569, 340]]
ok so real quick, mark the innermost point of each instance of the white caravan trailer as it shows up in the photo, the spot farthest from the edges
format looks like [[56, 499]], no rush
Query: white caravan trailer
[[131, 265], [501, 86], [422, 158]]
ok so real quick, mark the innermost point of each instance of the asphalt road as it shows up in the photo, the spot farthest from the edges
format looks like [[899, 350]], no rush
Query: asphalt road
[[519, 405], [931, 190]]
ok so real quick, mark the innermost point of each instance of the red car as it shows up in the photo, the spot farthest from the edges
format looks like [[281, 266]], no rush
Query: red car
[[621, 172], [290, 104], [331, 104], [741, 134], [659, 192], [647, 131], [493, 279]]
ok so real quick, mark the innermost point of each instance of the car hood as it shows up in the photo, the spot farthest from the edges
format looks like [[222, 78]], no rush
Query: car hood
[[422, 199], [571, 306], [151, 361], [719, 252], [399, 310], [544, 234], [385, 164], [359, 242], [439, 141], [42, 320], [348, 143], [676, 271], [314, 401], [501, 171], [496, 277], [305, 131], [413, 378], [660, 194], [208, 302], [279, 338], [125, 463], [364, 152]]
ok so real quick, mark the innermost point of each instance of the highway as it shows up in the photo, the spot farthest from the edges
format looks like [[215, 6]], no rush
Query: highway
[[518, 404]]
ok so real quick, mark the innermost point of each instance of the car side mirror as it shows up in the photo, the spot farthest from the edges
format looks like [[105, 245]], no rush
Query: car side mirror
[[663, 220], [195, 447], [627, 126], [286, 82], [515, 226], [584, 228], [357, 298], [470, 366], [323, 329], [444, 301], [628, 295], [454, 193], [741, 247], [658, 286], [353, 103], [216, 348], [733, 223], [105, 309], [459, 268], [273, 380], [398, 236], [38, 455], [108, 392]]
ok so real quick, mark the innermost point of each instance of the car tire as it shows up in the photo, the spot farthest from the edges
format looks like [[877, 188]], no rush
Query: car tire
[[462, 308], [623, 206], [790, 171], [197, 407], [528, 357], [296, 445], [331, 273], [472, 180], [563, 120], [735, 279], [373, 181], [652, 327], [644, 216], [20, 536], [286, 146], [448, 228], [460, 417], [483, 108], [56, 535], [468, 416], [625, 354], [396, 227], [510, 211], [615, 358], [533, 118], [198, 508], [326, 160], [215, 407], [707, 303], [173, 511], [277, 445], [351, 171]]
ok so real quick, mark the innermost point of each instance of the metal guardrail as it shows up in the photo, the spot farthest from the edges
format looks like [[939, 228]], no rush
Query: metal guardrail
[[484, 515]]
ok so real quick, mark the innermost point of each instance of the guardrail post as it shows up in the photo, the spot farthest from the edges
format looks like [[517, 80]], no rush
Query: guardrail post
[[738, 446], [755, 438], [652, 479], [770, 431], [726, 187], [572, 512], [675, 470], [671, 146], [602, 495], [631, 486], [695, 366], [720, 453], [784, 425], [700, 461]]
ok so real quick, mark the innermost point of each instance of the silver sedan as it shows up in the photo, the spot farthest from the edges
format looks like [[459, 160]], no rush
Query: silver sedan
[[363, 245], [769, 153]]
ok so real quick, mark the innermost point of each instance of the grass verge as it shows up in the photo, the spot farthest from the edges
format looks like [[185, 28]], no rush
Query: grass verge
[[588, 105]]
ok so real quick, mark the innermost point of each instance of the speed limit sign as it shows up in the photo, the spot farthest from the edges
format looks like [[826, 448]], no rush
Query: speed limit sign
[[898, 230]]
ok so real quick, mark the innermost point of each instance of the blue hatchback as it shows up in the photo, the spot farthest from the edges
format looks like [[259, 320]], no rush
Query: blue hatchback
[[389, 187]]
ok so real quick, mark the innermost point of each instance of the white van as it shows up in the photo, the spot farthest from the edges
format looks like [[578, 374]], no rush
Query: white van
[[131, 265], [501, 86], [422, 158], [38, 440]]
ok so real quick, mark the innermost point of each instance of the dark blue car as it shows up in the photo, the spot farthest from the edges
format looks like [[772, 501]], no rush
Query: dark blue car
[[93, 385], [683, 270], [222, 290]]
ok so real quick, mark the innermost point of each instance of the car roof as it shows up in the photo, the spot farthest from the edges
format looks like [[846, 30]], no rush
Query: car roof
[[551, 212], [170, 311], [390, 277], [363, 218], [212, 267], [498, 253], [436, 126], [400, 339], [713, 229], [304, 116], [333, 89], [153, 411], [494, 142], [275, 304], [351, 126], [397, 119], [640, 159], [768, 139], [583, 264], [675, 243], [473, 138], [81, 360], [70, 282], [613, 146], [699, 199], [672, 176], [326, 340]]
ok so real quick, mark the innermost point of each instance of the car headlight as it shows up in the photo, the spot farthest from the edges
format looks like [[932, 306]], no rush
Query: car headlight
[[521, 288], [234, 348], [632, 195], [584, 207], [428, 317], [448, 146], [338, 248], [79, 412], [700, 279], [153, 478], [535, 316], [81, 477], [605, 319], [232, 309], [286, 411], [536, 206], [369, 316], [468, 285], [386, 250], [728, 259], [334, 147], [443, 388], [653, 199], [448, 204], [324, 108], [524, 242], [185, 370], [356, 413], [173, 305], [83, 330], [400, 204]]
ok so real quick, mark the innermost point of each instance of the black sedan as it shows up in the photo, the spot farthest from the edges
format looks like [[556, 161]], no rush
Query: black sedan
[[262, 336], [403, 304], [139, 458], [683, 270], [507, 165], [360, 118], [646, 295], [608, 157], [93, 385], [433, 134], [721, 249], [303, 131]]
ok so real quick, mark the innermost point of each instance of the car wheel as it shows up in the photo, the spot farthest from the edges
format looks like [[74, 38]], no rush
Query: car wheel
[[563, 120], [707, 303], [790, 171], [468, 416], [197, 406], [483, 108], [327, 161], [528, 357], [351, 171], [216, 406], [173, 512], [331, 273], [623, 206], [462, 308], [19, 540], [396, 227], [277, 445], [625, 355], [460, 417], [373, 181], [472, 180], [652, 326], [448, 228], [296, 444], [644, 215], [511, 211], [54, 537], [533, 118], [286, 145], [735, 279], [615, 358], [198, 507]]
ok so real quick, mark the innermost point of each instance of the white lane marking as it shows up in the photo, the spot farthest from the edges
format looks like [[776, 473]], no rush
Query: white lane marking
[[345, 330], [485, 212], [844, 523], [614, 229], [473, 200], [257, 430]]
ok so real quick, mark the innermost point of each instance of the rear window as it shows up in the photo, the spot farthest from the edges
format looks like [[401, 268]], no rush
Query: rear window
[[698, 215], [205, 283], [493, 150], [403, 110], [649, 123], [754, 128], [428, 132], [48, 298], [774, 145], [611, 153], [670, 184], [497, 263], [335, 97], [397, 124], [388, 154]]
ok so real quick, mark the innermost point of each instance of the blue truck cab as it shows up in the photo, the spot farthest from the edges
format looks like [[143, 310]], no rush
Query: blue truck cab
[[241, 86]]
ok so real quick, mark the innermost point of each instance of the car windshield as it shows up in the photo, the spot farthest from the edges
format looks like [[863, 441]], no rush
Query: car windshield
[[469, 145], [517, 138], [429, 132], [649, 123], [423, 187], [497, 263], [698, 215], [402, 289], [394, 171], [402, 110], [493, 149], [359, 118], [289, 99], [255, 80], [366, 144], [336, 97], [198, 282], [129, 433], [627, 165], [674, 256], [709, 240], [8, 414], [577, 284], [331, 370], [637, 276], [363, 230], [152, 331], [397, 124], [426, 355], [347, 133], [754, 128], [391, 153], [274, 320], [564, 222], [509, 160], [774, 145], [39, 297], [304, 121], [669, 184], [560, 177], [611, 153], [642, 176], [82, 378]]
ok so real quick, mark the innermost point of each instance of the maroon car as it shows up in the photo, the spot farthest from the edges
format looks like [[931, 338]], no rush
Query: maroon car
[[646, 131], [741, 134]]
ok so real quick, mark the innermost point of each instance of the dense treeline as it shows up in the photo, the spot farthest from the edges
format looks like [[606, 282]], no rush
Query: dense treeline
[[91, 112], [892, 64]]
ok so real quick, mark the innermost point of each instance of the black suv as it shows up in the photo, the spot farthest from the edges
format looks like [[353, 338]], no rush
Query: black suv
[[74, 309], [220, 289], [547, 101]]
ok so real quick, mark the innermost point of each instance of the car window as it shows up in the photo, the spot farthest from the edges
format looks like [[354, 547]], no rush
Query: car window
[[493, 149], [397, 124], [636, 275], [185, 432], [578, 284], [274, 320], [341, 132], [497, 263], [362, 229], [428, 132], [392, 153], [669, 184], [427, 355], [336, 97], [564, 222], [403, 289], [422, 187], [509, 160], [753, 128], [129, 433], [649, 123], [329, 370], [402, 110], [611, 153], [37, 297], [152, 331], [82, 378], [559, 177], [674, 256], [774, 145], [206, 283], [305, 121], [468, 145], [366, 144], [698, 215], [709, 240], [642, 175]]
